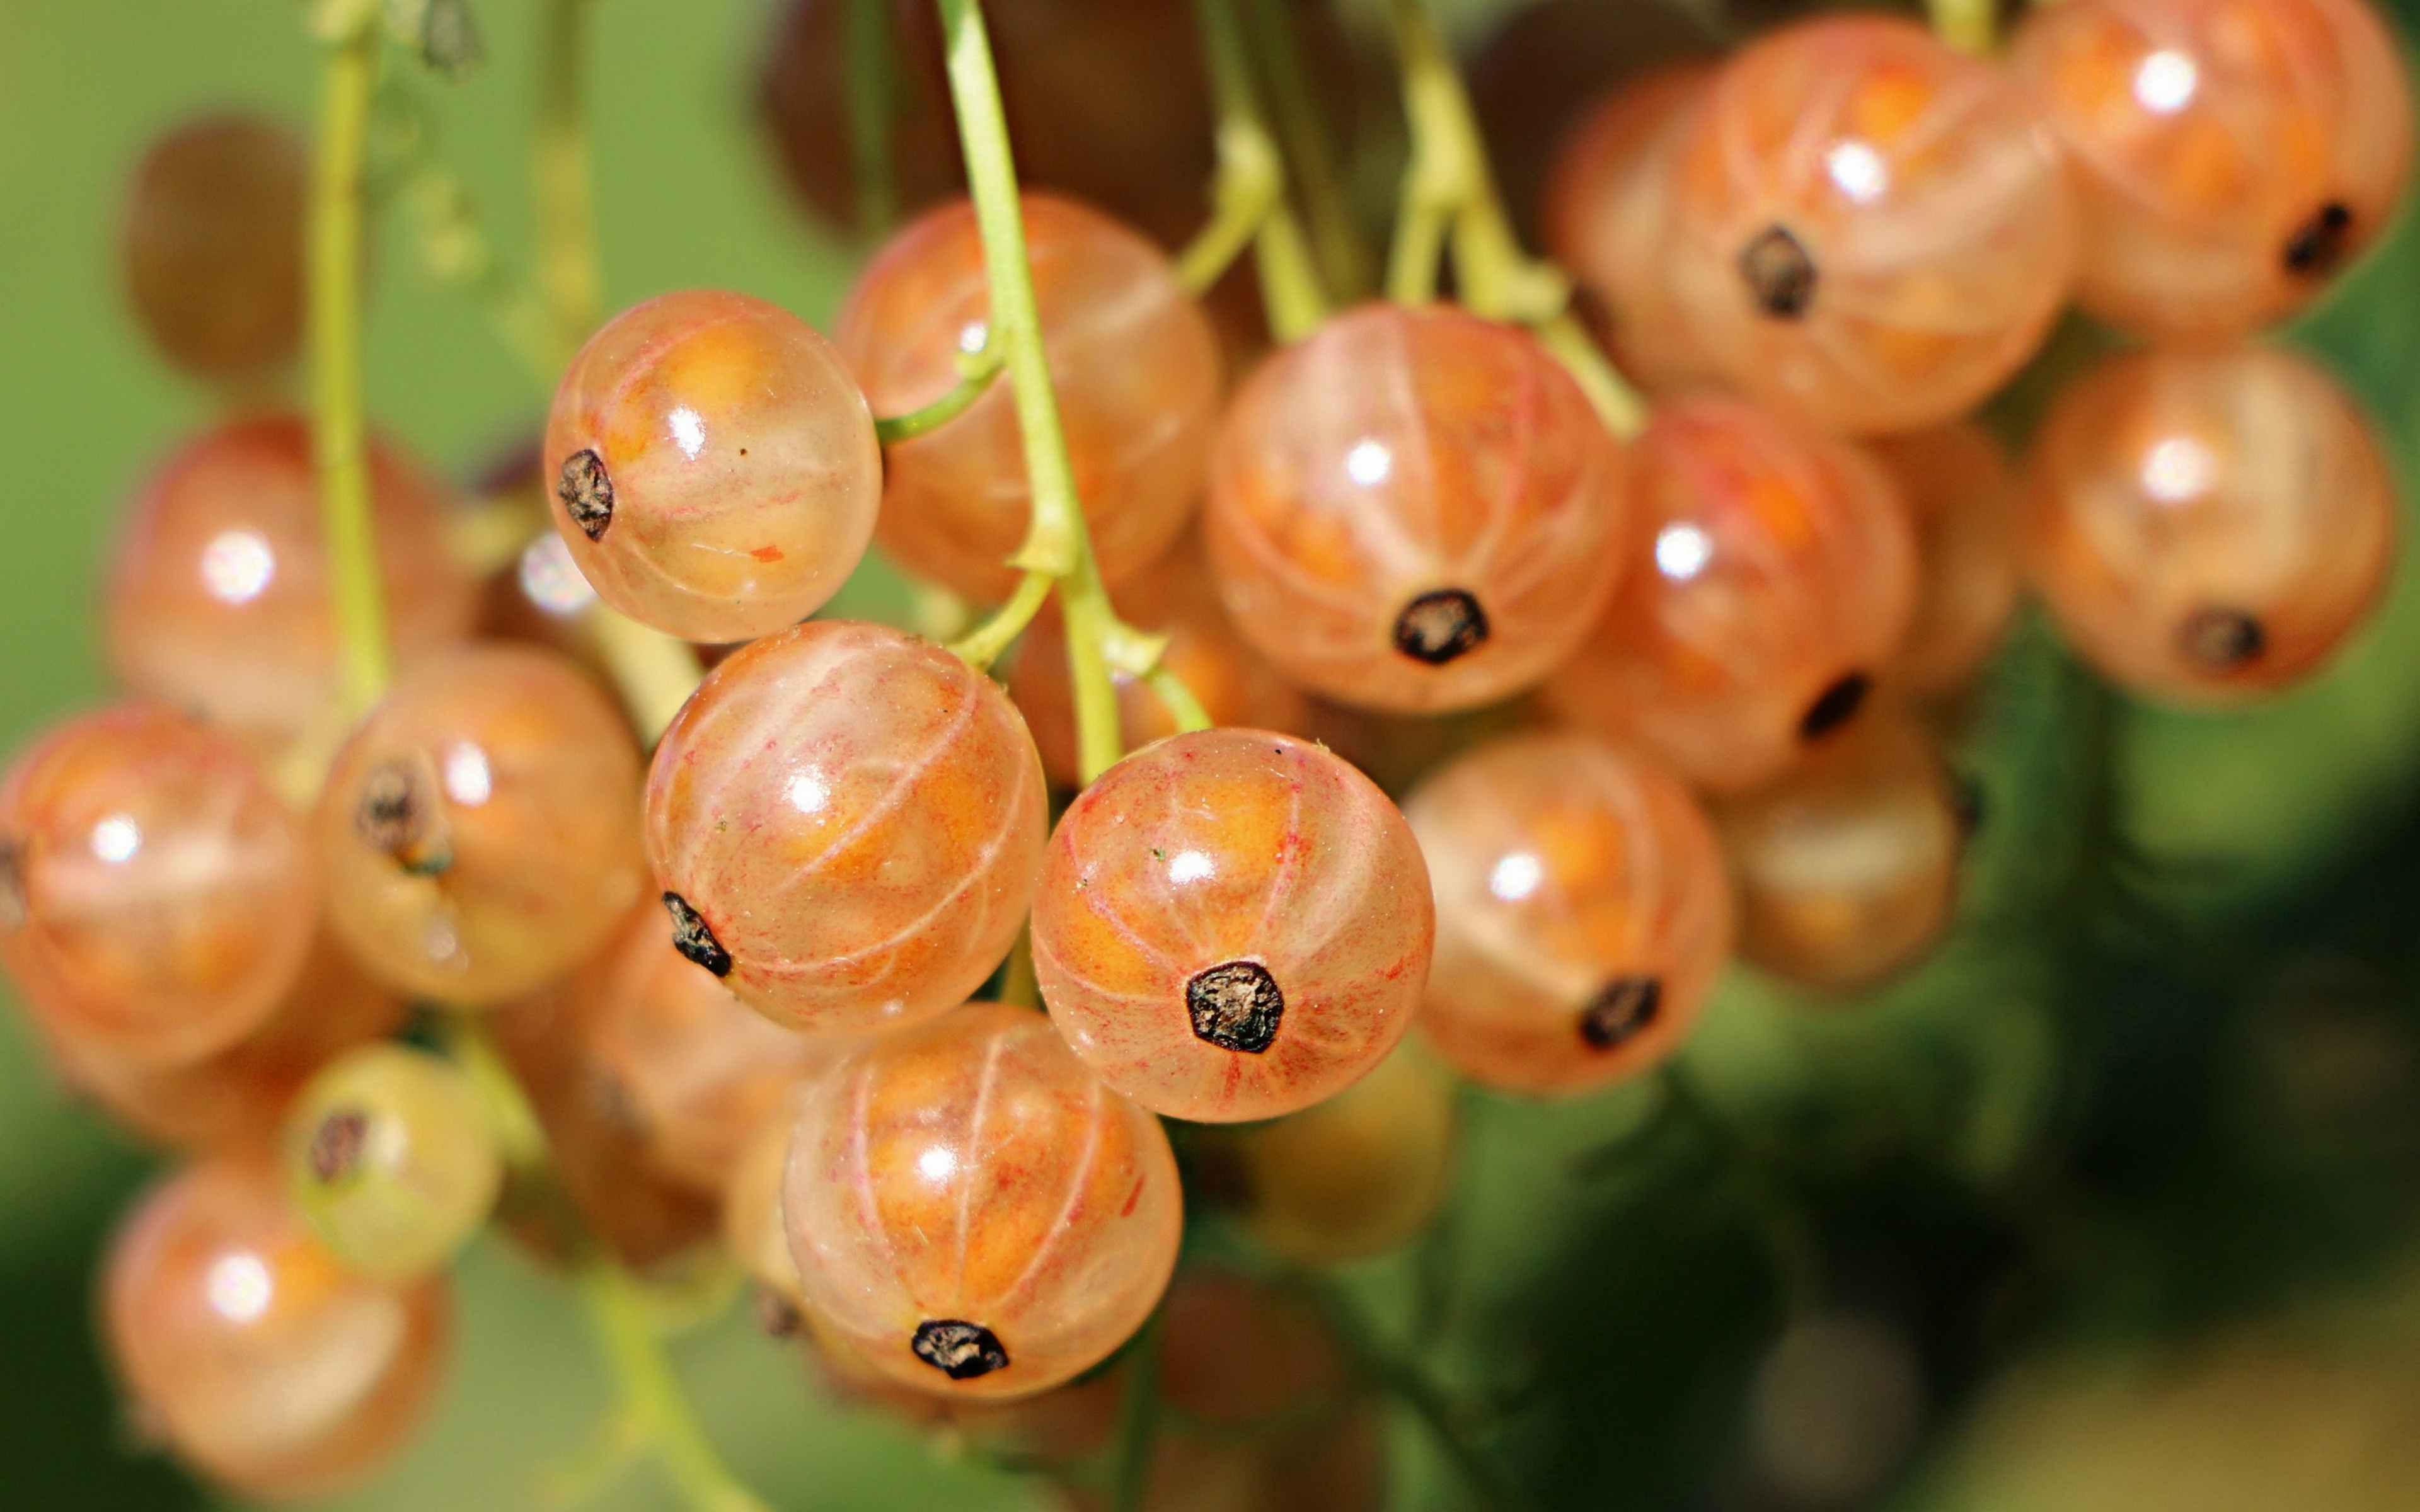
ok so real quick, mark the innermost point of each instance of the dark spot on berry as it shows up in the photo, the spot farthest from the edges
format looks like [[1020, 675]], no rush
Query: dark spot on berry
[[1620, 1010], [2221, 640], [399, 813], [14, 909], [1236, 1005], [693, 938], [2319, 243], [958, 1350], [1440, 625], [776, 1315], [335, 1149], [586, 492], [1779, 273], [1967, 804], [1835, 706]]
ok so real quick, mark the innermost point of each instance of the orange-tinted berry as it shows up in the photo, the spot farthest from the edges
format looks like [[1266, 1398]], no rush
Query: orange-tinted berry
[[1847, 868], [1174, 597], [846, 822], [266, 1366], [1778, 573], [714, 466], [2207, 526], [1133, 360], [480, 829], [973, 1211], [212, 245], [752, 1229], [218, 595], [2230, 155], [1356, 1175], [157, 898], [1962, 496], [1415, 510], [1872, 226], [1609, 219], [1583, 913], [1231, 924]]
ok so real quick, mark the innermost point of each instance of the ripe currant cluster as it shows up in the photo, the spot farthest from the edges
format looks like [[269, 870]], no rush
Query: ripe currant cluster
[[1659, 681]]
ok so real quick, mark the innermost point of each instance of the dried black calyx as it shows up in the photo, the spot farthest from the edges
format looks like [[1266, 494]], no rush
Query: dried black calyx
[[777, 1315], [1236, 1005], [1620, 1010], [958, 1350], [693, 938], [14, 910], [586, 492], [2221, 640], [1835, 706], [1779, 273], [399, 813], [2319, 243], [335, 1149], [1440, 625]]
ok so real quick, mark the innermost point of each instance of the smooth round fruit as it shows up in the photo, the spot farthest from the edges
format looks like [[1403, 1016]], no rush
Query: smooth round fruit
[[846, 822], [1231, 924], [480, 829], [212, 245], [1778, 576], [2230, 155], [1174, 597], [240, 1095], [266, 1365], [157, 898], [752, 1229], [219, 596], [1133, 360], [1609, 219], [1962, 496], [702, 1069], [389, 1158], [2207, 527], [1847, 868], [1870, 227], [714, 466], [1583, 913], [1357, 1174], [1415, 510], [973, 1211]]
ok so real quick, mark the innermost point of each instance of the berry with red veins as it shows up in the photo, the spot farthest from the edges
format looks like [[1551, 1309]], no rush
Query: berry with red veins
[[1416, 510], [846, 821], [713, 466], [1233, 924]]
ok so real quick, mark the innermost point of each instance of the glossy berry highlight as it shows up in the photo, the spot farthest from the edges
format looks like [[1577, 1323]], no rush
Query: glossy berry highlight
[[1231, 924]]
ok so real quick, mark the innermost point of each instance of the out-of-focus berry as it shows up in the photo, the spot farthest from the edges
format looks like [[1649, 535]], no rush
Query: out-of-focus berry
[[212, 245], [1962, 497], [392, 1160]]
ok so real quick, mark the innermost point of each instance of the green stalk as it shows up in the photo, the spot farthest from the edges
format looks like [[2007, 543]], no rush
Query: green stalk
[[1312, 156], [1252, 176], [571, 277], [975, 374], [871, 103], [1964, 24]]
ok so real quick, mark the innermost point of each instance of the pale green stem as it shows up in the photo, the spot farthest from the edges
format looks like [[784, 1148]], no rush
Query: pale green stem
[[1967, 25], [569, 276], [1177, 700], [1252, 175], [1311, 155], [983, 644], [975, 374], [871, 102]]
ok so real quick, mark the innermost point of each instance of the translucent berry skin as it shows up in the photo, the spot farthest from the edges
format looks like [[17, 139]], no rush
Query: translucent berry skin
[[2230, 155], [973, 1211], [1583, 913], [218, 597], [1778, 574], [1963, 495], [2207, 527], [157, 898], [1609, 214], [701, 1069], [392, 1160], [1173, 597], [212, 245], [511, 846], [714, 466], [266, 1366], [1415, 510], [752, 1229], [1133, 360], [1870, 227], [1847, 868], [1357, 1174], [1231, 924], [856, 817]]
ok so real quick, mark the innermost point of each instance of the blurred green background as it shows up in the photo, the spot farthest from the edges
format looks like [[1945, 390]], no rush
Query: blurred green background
[[2164, 1080]]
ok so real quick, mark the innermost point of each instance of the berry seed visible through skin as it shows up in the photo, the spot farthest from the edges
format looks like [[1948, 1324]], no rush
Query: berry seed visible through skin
[[586, 492], [1780, 275], [1620, 1010], [1440, 625], [2221, 640], [1236, 1005], [2319, 243], [1835, 706], [693, 938], [336, 1143], [958, 1350]]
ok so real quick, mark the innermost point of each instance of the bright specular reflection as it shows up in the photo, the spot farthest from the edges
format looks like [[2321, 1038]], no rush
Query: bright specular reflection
[[689, 430], [2165, 81], [1681, 551], [1189, 866], [238, 1287], [1858, 170], [936, 1164], [468, 779], [2177, 469], [549, 580], [972, 336], [116, 837], [1515, 876], [808, 792], [236, 566], [1369, 463]]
